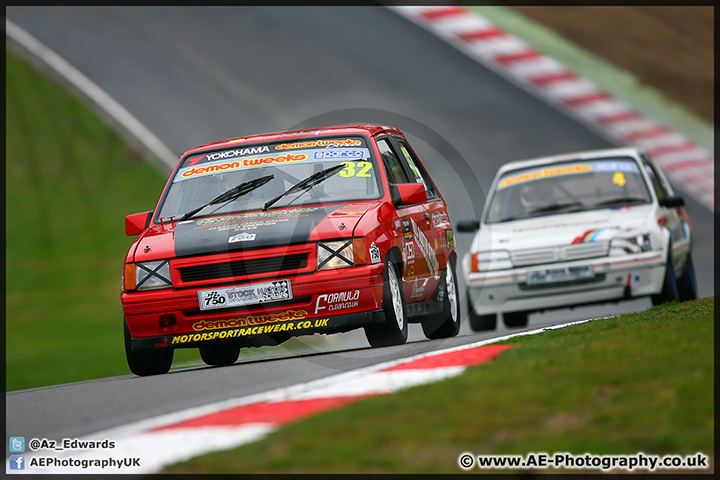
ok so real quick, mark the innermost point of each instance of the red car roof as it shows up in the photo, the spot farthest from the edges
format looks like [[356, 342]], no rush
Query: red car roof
[[348, 129]]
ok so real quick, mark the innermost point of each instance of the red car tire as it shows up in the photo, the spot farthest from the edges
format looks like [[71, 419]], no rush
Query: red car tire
[[394, 330]]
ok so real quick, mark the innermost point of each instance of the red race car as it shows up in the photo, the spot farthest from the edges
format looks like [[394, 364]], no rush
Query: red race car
[[261, 238]]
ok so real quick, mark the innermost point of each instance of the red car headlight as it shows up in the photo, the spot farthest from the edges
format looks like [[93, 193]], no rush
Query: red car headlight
[[147, 275], [341, 254]]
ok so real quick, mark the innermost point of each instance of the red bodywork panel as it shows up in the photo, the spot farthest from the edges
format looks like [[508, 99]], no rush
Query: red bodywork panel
[[418, 232]]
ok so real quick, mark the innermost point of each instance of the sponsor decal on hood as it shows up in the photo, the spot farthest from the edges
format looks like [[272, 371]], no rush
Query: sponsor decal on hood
[[242, 237], [286, 226], [248, 230]]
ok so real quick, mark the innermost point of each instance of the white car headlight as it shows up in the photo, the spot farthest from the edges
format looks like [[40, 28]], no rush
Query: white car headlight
[[630, 245], [331, 255], [484, 261], [147, 275]]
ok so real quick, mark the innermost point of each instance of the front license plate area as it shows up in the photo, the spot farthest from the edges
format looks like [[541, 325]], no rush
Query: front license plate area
[[559, 274], [238, 296]]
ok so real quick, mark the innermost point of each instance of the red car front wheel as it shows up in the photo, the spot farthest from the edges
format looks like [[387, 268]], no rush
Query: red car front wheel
[[148, 363]]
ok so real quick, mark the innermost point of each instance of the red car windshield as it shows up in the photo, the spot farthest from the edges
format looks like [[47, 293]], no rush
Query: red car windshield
[[203, 177]]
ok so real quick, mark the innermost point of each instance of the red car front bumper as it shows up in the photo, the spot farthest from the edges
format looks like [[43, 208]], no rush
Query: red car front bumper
[[328, 301]]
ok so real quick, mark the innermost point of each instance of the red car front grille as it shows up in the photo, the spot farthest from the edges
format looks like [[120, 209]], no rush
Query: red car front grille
[[243, 268]]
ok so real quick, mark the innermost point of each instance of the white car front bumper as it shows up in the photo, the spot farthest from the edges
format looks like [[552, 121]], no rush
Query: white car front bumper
[[615, 278]]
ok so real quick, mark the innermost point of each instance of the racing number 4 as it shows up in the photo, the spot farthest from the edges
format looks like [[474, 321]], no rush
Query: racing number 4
[[349, 170]]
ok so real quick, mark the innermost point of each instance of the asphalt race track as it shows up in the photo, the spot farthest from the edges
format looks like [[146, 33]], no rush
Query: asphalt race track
[[194, 75]]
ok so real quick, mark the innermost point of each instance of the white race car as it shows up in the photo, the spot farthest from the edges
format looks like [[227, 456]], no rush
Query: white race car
[[576, 229]]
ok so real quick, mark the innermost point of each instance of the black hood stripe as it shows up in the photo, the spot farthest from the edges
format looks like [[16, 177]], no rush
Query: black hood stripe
[[248, 231]]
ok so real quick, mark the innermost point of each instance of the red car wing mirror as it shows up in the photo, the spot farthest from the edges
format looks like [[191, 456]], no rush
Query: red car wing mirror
[[408, 194], [137, 222]]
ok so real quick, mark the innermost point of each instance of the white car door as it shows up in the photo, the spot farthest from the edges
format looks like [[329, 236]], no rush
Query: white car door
[[675, 218]]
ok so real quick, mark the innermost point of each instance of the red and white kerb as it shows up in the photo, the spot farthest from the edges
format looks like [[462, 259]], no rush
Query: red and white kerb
[[686, 164], [175, 437]]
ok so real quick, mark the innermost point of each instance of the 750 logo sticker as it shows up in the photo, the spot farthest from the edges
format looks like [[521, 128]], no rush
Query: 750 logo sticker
[[274, 291]]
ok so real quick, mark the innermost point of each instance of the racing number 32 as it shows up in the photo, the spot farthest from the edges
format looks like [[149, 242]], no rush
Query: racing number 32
[[349, 170]]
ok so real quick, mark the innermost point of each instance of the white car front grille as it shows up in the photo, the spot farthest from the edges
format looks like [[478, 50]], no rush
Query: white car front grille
[[559, 253]]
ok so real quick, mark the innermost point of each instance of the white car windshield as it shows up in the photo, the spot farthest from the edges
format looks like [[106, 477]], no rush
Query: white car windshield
[[567, 187], [203, 177]]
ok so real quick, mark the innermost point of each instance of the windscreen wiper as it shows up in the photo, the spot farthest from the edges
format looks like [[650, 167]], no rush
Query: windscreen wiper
[[308, 183], [620, 201], [558, 206], [232, 194], [512, 218]]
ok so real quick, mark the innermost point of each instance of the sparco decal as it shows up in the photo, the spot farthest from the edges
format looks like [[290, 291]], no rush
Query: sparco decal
[[250, 320], [337, 301], [425, 248], [338, 153]]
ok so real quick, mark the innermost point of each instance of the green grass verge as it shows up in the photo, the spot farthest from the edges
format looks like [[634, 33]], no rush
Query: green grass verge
[[70, 181], [642, 382]]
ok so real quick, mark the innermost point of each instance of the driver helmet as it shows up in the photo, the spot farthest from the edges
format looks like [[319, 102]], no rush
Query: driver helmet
[[536, 194]]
